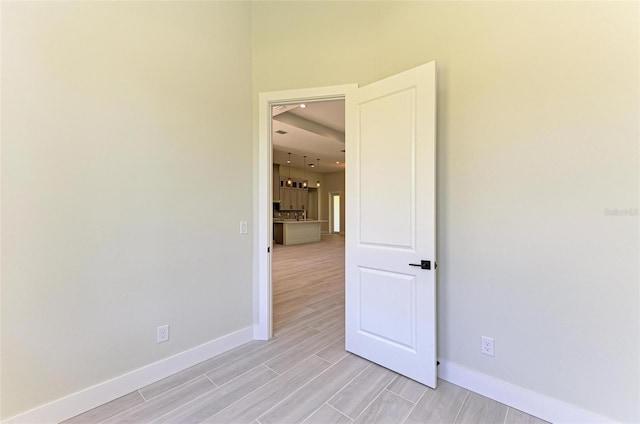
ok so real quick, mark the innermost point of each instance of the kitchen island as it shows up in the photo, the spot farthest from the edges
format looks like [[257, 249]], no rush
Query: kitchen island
[[289, 232]]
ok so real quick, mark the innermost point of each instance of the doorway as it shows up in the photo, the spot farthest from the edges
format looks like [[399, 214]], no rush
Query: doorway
[[264, 312], [381, 251]]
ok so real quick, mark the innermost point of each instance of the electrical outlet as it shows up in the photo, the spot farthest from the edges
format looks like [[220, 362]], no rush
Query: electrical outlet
[[243, 227], [163, 333], [487, 346]]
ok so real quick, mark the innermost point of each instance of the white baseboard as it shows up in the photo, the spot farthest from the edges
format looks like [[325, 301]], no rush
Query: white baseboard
[[532, 403], [76, 403], [260, 332]]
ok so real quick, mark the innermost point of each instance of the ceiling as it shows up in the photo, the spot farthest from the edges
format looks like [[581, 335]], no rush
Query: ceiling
[[316, 131]]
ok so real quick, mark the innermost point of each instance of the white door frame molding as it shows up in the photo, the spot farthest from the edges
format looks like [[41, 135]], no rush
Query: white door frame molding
[[263, 235]]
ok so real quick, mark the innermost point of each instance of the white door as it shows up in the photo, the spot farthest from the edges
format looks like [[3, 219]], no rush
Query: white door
[[390, 178]]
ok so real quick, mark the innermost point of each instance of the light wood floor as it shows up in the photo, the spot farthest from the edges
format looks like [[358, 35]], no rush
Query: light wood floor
[[302, 375]]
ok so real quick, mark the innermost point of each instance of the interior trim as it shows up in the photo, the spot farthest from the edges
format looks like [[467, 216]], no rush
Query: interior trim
[[84, 400], [263, 234], [533, 403]]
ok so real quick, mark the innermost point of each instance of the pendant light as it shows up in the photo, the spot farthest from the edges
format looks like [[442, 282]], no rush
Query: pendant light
[[289, 182], [304, 173], [318, 182]]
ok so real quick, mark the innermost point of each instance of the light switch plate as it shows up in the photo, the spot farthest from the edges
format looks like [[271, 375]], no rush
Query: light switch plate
[[243, 227]]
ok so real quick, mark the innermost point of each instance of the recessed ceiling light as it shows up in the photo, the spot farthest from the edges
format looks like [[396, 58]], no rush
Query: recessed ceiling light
[[303, 105], [312, 165], [337, 162], [281, 132]]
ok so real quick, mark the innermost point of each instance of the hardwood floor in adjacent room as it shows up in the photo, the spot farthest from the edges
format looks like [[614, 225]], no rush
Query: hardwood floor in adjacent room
[[308, 283], [302, 375]]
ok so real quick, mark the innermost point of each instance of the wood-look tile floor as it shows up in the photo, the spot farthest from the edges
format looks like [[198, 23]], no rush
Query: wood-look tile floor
[[303, 374]]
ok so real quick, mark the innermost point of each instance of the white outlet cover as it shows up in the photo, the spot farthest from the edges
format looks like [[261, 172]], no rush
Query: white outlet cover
[[163, 334], [488, 346]]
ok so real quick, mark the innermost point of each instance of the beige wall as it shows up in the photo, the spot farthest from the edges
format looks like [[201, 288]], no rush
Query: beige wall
[[122, 123], [537, 138]]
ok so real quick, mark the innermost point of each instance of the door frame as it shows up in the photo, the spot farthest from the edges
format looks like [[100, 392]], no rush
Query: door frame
[[263, 308]]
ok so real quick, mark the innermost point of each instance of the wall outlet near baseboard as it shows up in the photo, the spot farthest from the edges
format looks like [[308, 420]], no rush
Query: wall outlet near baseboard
[[487, 347], [163, 333]]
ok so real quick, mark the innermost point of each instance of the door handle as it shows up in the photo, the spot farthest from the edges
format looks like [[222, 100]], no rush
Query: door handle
[[423, 264]]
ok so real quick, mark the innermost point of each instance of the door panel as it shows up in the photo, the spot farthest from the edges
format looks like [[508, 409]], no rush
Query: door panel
[[390, 178], [383, 164], [387, 309]]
